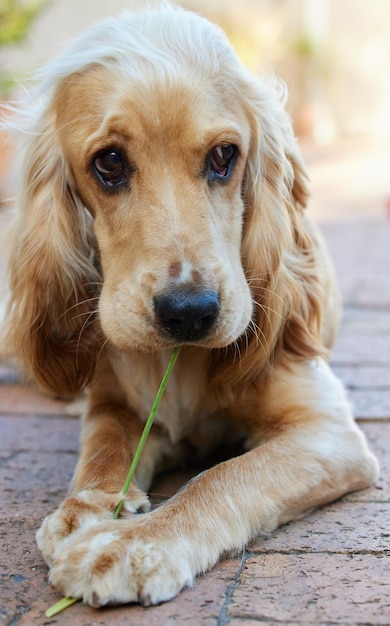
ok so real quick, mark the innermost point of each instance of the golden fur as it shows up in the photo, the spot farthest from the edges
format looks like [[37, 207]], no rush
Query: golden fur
[[162, 203]]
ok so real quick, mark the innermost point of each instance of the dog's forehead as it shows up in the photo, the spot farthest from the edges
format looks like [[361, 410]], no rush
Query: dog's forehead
[[101, 101], [184, 106]]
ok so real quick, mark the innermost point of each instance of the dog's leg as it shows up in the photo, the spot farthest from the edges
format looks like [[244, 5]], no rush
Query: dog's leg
[[308, 451], [109, 436]]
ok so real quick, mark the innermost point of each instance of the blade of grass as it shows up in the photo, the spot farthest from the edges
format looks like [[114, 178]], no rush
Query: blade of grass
[[64, 603], [146, 430], [59, 606]]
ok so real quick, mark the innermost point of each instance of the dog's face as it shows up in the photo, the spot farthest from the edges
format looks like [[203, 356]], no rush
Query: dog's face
[[150, 129], [160, 167]]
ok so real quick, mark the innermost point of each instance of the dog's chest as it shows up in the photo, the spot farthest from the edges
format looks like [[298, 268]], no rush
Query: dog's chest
[[185, 405]]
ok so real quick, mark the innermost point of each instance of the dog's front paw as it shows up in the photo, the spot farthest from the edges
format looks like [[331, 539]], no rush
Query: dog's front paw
[[87, 507], [122, 561]]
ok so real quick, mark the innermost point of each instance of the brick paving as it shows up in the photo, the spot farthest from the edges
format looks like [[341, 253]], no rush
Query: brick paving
[[330, 568]]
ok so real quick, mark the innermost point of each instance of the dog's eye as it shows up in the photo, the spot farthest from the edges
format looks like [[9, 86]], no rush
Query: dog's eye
[[221, 159], [111, 168]]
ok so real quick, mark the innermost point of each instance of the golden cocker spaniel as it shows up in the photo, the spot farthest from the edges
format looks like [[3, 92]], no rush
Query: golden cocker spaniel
[[162, 205]]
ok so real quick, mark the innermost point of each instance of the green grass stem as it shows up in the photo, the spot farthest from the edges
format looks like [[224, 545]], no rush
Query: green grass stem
[[146, 430], [59, 606]]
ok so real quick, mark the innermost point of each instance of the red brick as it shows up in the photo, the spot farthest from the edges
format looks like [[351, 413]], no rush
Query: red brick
[[367, 348], [371, 404], [340, 527], [37, 433], [363, 279], [364, 377], [23, 574], [29, 399], [34, 484], [314, 588], [356, 320]]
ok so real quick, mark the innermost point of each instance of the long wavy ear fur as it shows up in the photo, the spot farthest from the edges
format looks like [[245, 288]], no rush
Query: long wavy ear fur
[[279, 254], [53, 276]]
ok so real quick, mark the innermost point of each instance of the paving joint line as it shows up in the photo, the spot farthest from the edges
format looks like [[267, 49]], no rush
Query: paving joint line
[[223, 618], [300, 552]]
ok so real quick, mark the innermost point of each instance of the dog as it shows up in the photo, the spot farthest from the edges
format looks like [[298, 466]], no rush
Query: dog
[[163, 204]]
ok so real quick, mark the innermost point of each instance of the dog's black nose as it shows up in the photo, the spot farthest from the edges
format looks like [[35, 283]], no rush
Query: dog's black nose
[[187, 313]]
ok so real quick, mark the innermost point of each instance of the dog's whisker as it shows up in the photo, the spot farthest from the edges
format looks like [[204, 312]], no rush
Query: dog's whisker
[[105, 342], [266, 309], [84, 326], [274, 294], [260, 337], [75, 306]]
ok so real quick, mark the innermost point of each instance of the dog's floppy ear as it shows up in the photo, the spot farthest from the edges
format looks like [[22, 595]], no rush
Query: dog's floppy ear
[[53, 278], [279, 253]]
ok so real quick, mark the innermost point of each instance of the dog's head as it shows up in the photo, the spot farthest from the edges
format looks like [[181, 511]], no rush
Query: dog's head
[[162, 203]]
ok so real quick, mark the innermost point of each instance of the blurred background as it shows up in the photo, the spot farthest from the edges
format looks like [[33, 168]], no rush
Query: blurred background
[[334, 56]]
